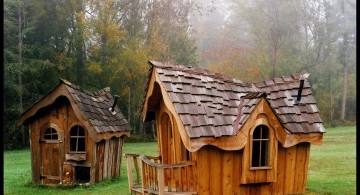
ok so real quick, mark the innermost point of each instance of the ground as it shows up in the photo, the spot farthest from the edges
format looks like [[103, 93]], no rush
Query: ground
[[332, 168]]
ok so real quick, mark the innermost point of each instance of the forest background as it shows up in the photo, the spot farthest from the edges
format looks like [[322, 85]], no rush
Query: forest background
[[100, 43]]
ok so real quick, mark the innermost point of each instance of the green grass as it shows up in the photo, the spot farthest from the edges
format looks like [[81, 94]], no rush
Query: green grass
[[17, 174], [332, 168], [333, 164]]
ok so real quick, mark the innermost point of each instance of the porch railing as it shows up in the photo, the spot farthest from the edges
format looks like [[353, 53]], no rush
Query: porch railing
[[157, 178]]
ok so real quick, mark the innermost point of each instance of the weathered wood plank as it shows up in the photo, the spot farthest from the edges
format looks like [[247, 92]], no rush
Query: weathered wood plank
[[106, 159], [289, 169]]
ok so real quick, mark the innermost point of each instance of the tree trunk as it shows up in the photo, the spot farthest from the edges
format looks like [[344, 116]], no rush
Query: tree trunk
[[79, 42], [129, 105], [343, 59], [343, 102], [21, 107]]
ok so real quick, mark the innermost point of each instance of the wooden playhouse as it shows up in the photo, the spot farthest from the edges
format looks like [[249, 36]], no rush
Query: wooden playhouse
[[75, 136], [218, 135]]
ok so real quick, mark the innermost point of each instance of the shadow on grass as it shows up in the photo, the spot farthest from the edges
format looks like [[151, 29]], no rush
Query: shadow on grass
[[102, 183]]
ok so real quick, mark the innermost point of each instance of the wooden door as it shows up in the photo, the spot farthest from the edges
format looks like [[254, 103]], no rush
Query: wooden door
[[167, 140], [50, 157]]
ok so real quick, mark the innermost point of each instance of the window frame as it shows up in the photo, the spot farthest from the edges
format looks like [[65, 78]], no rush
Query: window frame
[[77, 137], [53, 132], [43, 130], [269, 140]]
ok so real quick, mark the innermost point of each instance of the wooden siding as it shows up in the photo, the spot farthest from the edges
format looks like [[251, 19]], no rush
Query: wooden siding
[[108, 155], [103, 158], [172, 149], [221, 172]]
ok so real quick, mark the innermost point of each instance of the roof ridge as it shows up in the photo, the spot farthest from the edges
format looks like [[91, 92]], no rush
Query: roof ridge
[[199, 71], [275, 81], [96, 93]]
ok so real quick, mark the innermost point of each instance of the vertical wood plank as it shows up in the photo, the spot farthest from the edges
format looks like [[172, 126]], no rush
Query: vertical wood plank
[[203, 170], [111, 157], [237, 172], [119, 155], [289, 169], [306, 165], [279, 186], [93, 165], [227, 173], [301, 168], [106, 159], [215, 159]]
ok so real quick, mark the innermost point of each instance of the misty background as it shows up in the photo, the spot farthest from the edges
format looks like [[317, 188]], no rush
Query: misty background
[[100, 43]]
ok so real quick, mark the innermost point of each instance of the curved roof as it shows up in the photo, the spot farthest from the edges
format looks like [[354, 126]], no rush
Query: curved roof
[[95, 106], [209, 103]]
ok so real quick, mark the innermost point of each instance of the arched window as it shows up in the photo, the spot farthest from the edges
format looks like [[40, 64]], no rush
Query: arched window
[[260, 147], [77, 139], [50, 134]]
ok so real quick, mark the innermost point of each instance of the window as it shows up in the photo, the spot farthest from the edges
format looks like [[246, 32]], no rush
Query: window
[[260, 147], [77, 139], [50, 134]]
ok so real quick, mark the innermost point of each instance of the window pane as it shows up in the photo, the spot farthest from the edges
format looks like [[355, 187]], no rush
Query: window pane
[[257, 133], [50, 134], [73, 131], [73, 144], [260, 146], [47, 136], [81, 144], [264, 152], [77, 139], [255, 154], [265, 132], [81, 132]]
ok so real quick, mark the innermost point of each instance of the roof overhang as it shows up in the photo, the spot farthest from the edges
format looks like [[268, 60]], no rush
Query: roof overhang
[[234, 142], [51, 97]]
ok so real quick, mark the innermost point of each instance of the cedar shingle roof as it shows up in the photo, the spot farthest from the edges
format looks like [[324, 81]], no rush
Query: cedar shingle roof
[[96, 108], [208, 103]]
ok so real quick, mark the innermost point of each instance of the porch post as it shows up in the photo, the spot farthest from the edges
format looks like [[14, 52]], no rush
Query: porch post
[[161, 181], [129, 171]]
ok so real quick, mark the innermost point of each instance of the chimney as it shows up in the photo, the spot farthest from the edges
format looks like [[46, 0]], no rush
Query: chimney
[[113, 106], [302, 80]]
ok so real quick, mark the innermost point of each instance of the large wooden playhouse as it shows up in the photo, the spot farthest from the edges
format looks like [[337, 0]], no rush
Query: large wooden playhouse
[[219, 135], [75, 136]]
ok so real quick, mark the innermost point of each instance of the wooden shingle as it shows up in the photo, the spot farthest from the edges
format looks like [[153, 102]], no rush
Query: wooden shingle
[[208, 102]]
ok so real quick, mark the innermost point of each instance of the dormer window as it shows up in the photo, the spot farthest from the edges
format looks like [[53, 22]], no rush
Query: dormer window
[[260, 154], [260, 147], [77, 139]]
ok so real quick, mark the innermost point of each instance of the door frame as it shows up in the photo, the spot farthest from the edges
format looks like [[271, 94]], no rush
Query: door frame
[[59, 141]]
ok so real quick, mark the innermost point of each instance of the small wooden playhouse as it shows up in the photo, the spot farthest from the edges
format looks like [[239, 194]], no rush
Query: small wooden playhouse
[[75, 136], [218, 135]]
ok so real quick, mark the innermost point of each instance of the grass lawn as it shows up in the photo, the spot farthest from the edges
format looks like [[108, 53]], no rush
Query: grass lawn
[[332, 168]]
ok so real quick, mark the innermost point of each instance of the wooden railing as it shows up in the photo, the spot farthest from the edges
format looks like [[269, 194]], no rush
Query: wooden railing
[[162, 179], [133, 160]]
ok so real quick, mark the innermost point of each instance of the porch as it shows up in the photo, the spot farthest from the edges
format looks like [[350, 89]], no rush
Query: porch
[[153, 177]]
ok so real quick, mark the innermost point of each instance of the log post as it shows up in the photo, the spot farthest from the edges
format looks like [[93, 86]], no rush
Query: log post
[[129, 171], [161, 181]]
